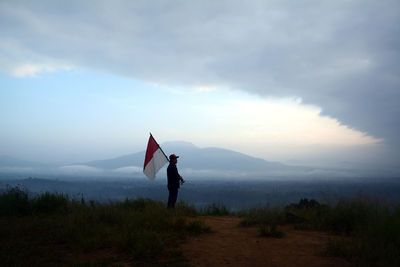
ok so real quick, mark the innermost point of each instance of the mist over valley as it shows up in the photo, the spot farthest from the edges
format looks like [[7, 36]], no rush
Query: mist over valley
[[197, 163], [213, 176]]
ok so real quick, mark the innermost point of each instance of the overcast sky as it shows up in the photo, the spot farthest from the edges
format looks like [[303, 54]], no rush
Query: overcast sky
[[309, 81]]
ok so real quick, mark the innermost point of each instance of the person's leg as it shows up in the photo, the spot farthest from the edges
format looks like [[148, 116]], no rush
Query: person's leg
[[169, 199], [175, 197], [173, 194]]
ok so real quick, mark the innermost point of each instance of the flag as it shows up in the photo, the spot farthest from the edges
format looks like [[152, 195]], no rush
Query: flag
[[155, 159]]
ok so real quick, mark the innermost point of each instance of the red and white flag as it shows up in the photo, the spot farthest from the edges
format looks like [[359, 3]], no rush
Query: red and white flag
[[155, 159]]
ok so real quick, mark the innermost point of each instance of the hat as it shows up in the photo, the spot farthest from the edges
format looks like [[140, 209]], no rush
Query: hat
[[173, 156]]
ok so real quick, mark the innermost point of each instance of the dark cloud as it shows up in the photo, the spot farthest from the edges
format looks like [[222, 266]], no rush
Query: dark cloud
[[343, 56]]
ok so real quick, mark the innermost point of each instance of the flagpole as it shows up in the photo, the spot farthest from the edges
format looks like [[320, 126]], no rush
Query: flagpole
[[159, 147]]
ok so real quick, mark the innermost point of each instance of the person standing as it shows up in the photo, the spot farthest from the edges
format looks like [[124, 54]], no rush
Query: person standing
[[174, 179]]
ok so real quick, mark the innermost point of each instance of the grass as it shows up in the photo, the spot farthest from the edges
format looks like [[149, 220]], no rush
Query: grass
[[215, 210], [339, 248], [270, 230], [261, 216], [45, 230], [372, 227], [51, 229]]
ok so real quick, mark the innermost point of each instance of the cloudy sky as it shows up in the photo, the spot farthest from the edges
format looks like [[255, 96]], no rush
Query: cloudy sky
[[312, 82]]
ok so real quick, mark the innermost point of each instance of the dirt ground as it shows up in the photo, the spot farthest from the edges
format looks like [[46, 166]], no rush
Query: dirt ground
[[233, 245]]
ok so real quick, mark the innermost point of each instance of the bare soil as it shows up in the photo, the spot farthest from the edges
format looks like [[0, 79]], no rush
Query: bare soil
[[232, 245]]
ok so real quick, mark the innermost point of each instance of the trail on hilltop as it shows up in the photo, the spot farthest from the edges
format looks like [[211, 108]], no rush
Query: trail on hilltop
[[233, 245]]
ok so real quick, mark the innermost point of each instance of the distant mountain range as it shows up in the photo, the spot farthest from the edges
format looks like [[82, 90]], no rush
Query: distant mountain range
[[195, 158], [193, 162]]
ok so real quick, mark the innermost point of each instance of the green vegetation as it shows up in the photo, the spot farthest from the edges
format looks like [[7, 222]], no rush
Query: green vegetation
[[270, 230], [261, 216], [51, 229], [370, 229], [268, 221], [215, 210]]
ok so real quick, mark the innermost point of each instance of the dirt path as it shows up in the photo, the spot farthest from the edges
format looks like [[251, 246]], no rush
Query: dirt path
[[232, 245]]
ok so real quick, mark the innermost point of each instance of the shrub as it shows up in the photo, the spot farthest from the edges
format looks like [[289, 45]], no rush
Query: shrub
[[50, 203], [184, 209], [262, 216], [14, 201], [197, 227], [215, 210], [270, 230], [307, 214], [348, 215], [377, 241], [339, 248], [373, 228]]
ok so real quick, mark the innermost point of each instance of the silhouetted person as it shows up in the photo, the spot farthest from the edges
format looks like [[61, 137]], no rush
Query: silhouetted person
[[173, 180]]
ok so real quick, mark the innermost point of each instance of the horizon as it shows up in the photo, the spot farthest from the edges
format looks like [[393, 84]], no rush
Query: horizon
[[197, 163], [175, 143], [311, 84]]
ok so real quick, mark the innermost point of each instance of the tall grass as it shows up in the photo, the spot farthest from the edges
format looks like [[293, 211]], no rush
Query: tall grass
[[14, 202], [44, 229], [262, 216], [215, 210], [373, 227]]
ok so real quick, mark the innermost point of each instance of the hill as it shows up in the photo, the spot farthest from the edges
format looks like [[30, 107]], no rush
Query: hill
[[52, 230], [204, 162], [196, 162]]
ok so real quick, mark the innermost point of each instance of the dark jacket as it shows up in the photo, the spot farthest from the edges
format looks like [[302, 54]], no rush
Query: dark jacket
[[173, 176]]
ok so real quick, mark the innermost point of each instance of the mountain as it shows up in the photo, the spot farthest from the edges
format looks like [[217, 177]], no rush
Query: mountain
[[135, 159], [213, 158], [200, 161], [194, 161]]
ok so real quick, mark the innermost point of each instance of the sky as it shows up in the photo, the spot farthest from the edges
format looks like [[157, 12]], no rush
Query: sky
[[308, 82]]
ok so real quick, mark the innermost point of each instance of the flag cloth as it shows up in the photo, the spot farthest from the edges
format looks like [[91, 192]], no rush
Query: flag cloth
[[155, 159]]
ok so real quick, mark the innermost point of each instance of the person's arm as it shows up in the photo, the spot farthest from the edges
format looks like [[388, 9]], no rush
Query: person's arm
[[178, 175]]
